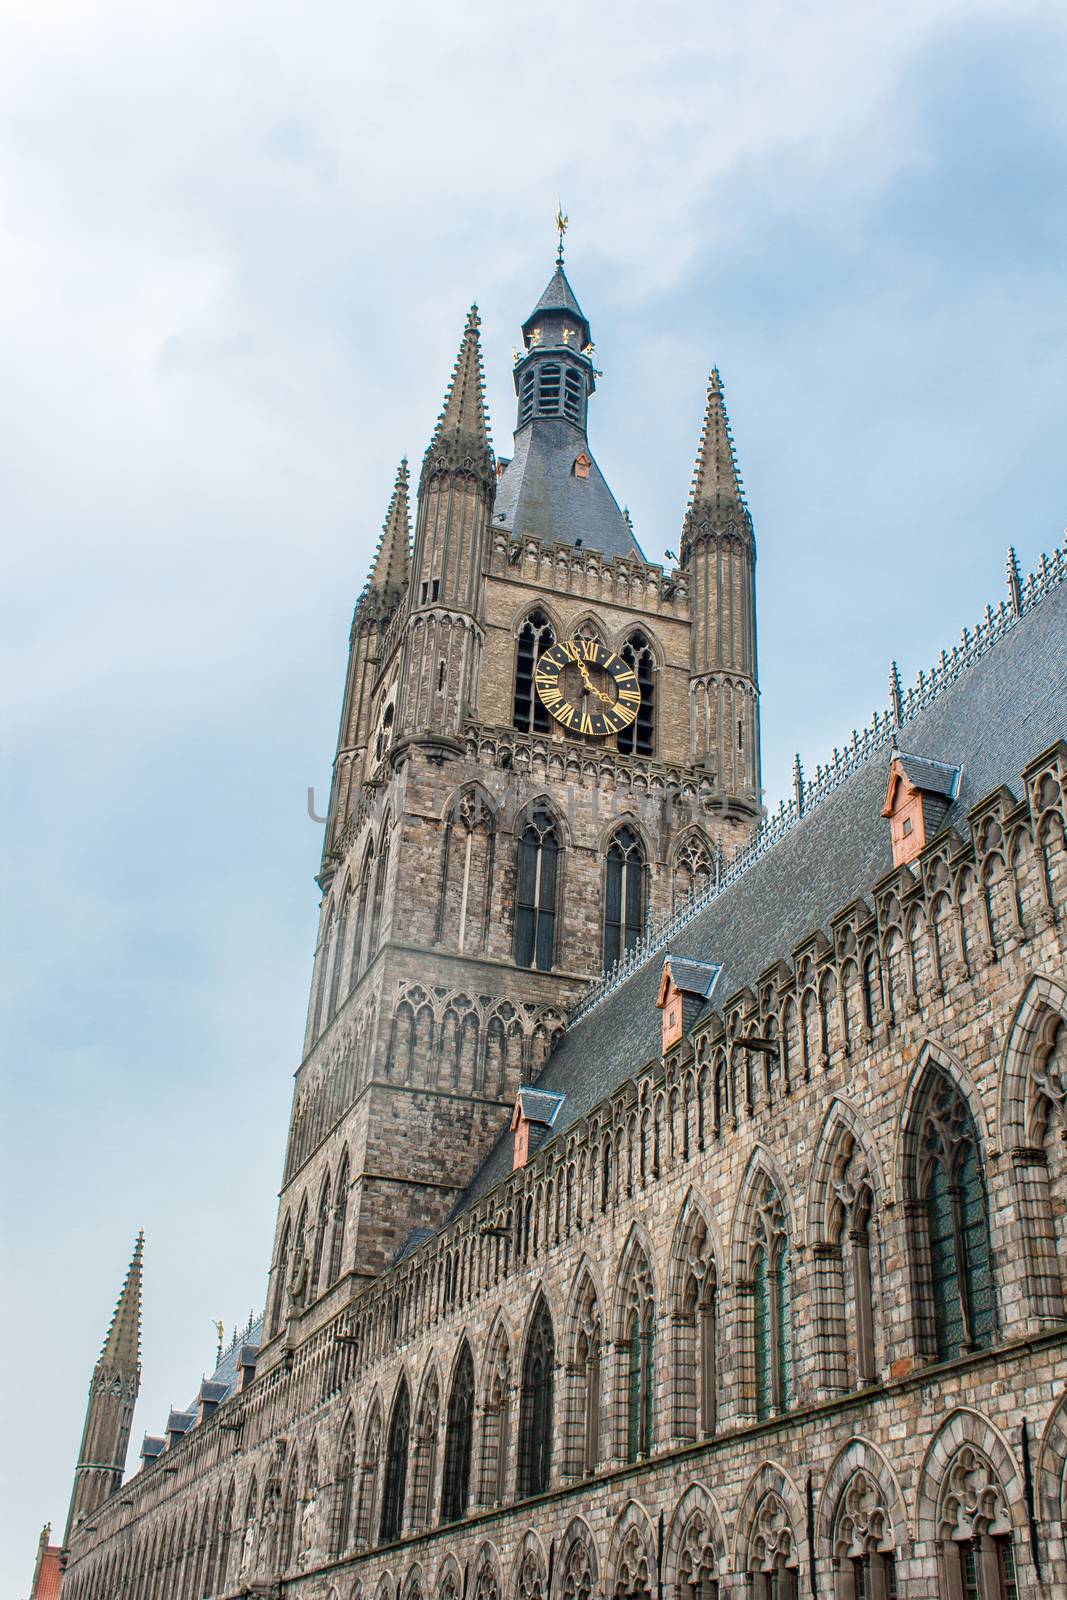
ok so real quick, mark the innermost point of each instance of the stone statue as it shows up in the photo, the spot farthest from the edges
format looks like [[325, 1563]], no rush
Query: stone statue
[[309, 1526], [298, 1283], [248, 1553]]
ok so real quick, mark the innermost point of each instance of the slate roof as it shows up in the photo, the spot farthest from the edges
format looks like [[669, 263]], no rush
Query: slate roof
[[1001, 712], [692, 977], [558, 296], [935, 777], [540, 1106], [539, 493], [223, 1381]]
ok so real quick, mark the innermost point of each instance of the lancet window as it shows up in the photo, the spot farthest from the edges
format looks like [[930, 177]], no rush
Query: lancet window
[[455, 1495], [624, 895], [536, 889], [952, 1248], [535, 637], [535, 1410], [640, 737], [396, 1466], [772, 1306]]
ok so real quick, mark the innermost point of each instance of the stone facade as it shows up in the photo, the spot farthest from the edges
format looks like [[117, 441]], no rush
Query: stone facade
[[702, 1342]]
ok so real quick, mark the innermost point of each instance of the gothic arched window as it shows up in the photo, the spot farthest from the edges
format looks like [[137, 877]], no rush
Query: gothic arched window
[[496, 1428], [363, 895], [624, 895], [945, 1175], [772, 1309], [535, 893], [322, 1227], [379, 900], [535, 1408], [465, 898], [535, 637], [696, 1382], [640, 1369], [396, 1466], [974, 1526], [340, 1213], [640, 737], [584, 1452], [346, 1484], [281, 1274], [455, 1495], [340, 958], [326, 951], [849, 1271], [693, 868], [863, 1547]]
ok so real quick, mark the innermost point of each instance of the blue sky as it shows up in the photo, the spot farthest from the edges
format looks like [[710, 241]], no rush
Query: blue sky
[[240, 241]]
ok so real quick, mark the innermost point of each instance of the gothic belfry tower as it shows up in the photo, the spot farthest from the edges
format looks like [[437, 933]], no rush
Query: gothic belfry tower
[[112, 1394], [486, 855], [719, 552]]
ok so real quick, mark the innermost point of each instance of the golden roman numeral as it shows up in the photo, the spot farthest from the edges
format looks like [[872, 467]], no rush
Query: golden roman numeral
[[590, 649], [630, 695]]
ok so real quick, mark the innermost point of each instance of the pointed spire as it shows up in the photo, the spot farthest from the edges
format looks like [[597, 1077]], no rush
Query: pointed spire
[[1015, 582], [716, 479], [798, 784], [392, 558], [122, 1347], [464, 409], [896, 694]]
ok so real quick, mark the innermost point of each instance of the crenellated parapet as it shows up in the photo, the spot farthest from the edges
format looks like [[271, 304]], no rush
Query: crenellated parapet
[[588, 574]]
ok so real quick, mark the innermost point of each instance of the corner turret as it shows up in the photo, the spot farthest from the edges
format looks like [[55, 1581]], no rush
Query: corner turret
[[719, 551], [112, 1393]]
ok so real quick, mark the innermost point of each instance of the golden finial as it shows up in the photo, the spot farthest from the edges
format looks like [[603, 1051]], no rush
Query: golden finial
[[561, 224]]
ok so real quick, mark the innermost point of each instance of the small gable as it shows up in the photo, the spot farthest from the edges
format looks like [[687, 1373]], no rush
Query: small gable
[[531, 1121], [918, 795], [684, 988]]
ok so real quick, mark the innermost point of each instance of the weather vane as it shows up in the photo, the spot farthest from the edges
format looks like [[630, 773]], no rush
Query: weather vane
[[561, 224]]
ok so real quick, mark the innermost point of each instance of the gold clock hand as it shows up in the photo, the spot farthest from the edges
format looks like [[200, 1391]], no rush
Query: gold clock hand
[[605, 699]]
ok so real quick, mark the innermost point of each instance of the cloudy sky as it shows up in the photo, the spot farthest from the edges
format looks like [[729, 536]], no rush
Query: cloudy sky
[[238, 244]]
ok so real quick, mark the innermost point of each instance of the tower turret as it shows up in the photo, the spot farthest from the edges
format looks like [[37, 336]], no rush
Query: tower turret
[[456, 486], [112, 1394], [719, 550], [386, 590]]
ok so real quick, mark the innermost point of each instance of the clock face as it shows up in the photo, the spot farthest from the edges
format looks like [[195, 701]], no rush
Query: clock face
[[586, 687]]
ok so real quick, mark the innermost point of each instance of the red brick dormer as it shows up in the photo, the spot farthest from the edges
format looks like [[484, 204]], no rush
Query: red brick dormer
[[531, 1121], [917, 799], [683, 991]]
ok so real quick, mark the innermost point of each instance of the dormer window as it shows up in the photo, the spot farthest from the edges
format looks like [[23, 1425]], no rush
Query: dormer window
[[582, 463], [917, 800], [685, 987]]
